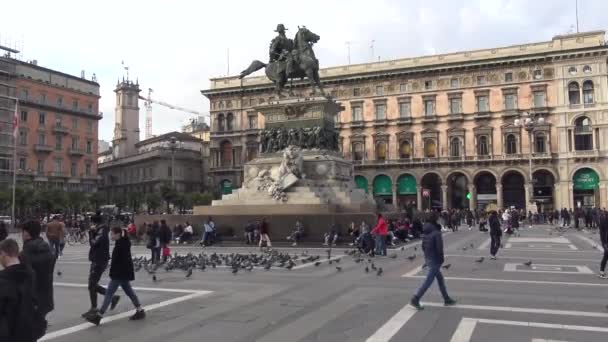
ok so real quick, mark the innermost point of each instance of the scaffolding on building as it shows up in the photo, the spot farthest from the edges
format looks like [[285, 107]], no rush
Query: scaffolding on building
[[8, 97]]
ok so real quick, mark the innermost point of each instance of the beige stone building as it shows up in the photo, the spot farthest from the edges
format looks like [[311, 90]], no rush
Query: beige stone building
[[441, 130]]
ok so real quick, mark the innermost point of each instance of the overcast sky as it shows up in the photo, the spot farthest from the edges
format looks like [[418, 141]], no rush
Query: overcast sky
[[174, 47]]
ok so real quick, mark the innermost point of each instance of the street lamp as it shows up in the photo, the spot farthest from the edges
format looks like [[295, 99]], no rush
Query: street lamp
[[173, 146], [529, 122]]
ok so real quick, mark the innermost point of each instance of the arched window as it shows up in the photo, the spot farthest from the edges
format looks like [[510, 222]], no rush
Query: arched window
[[381, 151], [405, 150], [583, 134], [430, 148], [539, 143], [511, 145], [229, 122], [226, 153], [221, 123], [483, 148], [588, 92], [358, 152], [587, 69], [455, 147], [574, 94], [252, 152]]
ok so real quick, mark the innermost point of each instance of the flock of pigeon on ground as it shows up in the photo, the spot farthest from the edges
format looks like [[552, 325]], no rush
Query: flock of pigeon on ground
[[239, 262]]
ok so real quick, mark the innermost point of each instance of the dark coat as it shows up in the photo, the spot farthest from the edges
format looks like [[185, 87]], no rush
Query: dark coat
[[432, 243], [37, 254], [3, 231], [164, 234], [603, 228], [17, 304], [494, 223], [100, 245], [121, 267]]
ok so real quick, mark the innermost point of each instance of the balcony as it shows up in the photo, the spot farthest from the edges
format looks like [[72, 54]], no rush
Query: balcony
[[60, 129], [482, 115], [380, 122], [510, 113], [29, 100], [429, 118], [359, 123], [57, 174], [42, 148], [585, 154], [405, 120], [455, 117], [583, 130], [77, 152]]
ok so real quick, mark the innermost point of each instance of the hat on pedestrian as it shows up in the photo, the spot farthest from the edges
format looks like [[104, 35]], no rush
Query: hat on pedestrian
[[280, 28]]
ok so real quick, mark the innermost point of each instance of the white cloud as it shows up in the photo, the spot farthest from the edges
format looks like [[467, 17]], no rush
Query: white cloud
[[175, 47]]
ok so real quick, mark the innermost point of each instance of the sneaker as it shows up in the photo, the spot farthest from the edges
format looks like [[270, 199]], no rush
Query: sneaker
[[114, 302], [88, 313], [415, 302], [602, 275], [139, 314], [449, 302], [94, 317], [493, 257]]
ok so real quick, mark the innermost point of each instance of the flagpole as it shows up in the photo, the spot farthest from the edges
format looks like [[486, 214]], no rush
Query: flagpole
[[13, 219]]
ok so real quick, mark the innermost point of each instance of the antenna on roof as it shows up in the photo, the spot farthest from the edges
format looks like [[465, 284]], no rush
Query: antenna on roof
[[576, 16]]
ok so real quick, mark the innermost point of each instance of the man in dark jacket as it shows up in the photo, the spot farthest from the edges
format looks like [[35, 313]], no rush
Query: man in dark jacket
[[37, 255], [164, 236], [3, 231], [432, 245], [603, 228], [121, 274], [495, 234], [17, 302], [99, 254]]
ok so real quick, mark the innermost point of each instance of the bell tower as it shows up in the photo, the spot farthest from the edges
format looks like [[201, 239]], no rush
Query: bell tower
[[126, 127]]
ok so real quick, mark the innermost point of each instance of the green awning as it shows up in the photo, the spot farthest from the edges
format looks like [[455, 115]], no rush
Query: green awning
[[383, 186], [585, 179], [406, 185], [361, 183], [226, 187]]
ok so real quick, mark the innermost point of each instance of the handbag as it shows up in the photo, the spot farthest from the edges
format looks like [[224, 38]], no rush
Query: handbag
[[166, 251]]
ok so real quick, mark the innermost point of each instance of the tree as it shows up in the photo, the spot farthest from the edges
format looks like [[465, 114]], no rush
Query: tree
[[24, 199], [201, 198], [95, 200], [50, 200], [76, 201], [168, 194], [152, 201], [134, 201], [5, 200]]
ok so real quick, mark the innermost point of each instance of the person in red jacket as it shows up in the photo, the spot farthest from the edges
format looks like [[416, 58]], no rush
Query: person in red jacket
[[380, 232]]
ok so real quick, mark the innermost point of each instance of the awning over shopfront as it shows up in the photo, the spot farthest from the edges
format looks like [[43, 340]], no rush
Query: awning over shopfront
[[585, 179], [383, 186], [406, 185]]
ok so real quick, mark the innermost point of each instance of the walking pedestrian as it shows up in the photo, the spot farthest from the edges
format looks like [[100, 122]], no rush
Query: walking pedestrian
[[3, 231], [99, 255], [154, 242], [18, 309], [495, 234], [603, 228], [55, 233], [264, 234], [121, 274], [37, 255], [380, 232], [208, 231], [164, 237], [432, 246]]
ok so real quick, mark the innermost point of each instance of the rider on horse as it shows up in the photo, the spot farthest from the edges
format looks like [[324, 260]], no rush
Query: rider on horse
[[280, 49]]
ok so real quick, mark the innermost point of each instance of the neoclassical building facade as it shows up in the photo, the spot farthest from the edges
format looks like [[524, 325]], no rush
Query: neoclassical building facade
[[445, 131]]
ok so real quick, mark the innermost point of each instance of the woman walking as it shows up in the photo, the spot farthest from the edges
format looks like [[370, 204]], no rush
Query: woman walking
[[121, 274], [380, 232], [495, 234], [264, 235]]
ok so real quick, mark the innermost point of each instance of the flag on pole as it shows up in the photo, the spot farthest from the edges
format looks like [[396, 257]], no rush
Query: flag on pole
[[16, 120]]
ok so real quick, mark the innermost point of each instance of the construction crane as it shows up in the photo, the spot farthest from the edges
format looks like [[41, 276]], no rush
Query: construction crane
[[148, 104]]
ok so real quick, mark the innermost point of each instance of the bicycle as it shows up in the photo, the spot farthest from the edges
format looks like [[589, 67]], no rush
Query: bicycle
[[75, 236]]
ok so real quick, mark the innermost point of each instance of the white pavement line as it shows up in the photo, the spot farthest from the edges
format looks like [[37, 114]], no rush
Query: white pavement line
[[591, 242], [464, 331], [541, 268], [512, 281], [485, 244], [558, 240], [520, 258], [393, 325], [537, 325], [73, 262], [309, 264], [573, 247], [522, 310], [83, 326], [155, 289], [543, 340], [545, 250], [413, 272]]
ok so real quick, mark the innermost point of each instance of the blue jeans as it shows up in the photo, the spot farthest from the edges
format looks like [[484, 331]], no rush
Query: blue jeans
[[111, 290], [380, 245], [55, 247], [434, 271]]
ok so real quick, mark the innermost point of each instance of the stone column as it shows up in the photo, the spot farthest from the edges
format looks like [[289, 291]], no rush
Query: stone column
[[444, 197], [419, 198], [473, 200], [499, 202], [570, 195], [527, 190], [557, 199], [395, 204]]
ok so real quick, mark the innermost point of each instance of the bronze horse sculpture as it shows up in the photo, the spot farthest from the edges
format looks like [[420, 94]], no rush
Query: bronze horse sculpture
[[302, 60]]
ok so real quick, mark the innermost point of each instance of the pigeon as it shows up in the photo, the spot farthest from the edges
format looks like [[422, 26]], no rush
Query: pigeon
[[267, 267], [424, 266], [330, 262], [379, 273], [154, 278], [373, 266], [337, 261], [59, 273], [480, 260], [393, 256], [290, 266], [339, 269], [366, 269], [411, 257], [189, 273], [464, 248], [446, 266], [403, 248], [415, 248], [235, 270], [472, 246], [528, 263], [317, 263]]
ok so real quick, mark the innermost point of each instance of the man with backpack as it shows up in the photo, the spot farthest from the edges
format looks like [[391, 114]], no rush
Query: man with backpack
[[17, 312]]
